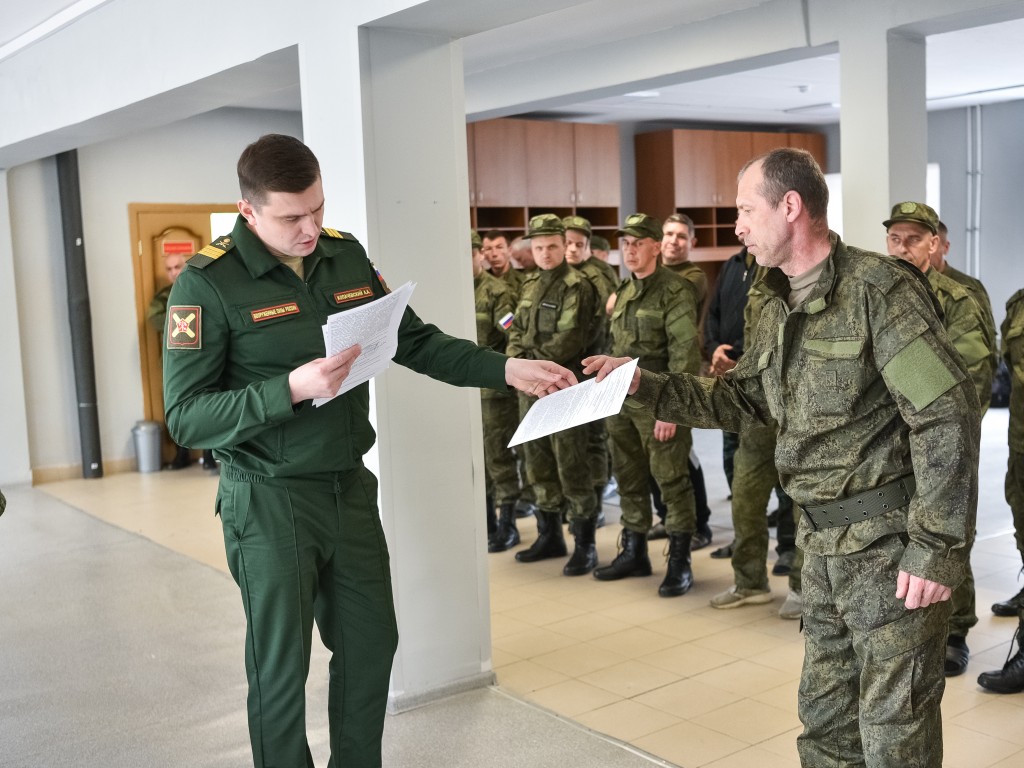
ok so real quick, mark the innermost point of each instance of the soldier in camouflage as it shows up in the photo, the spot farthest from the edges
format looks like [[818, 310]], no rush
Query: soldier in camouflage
[[556, 318], [912, 235], [878, 433], [499, 259], [495, 306], [972, 284], [655, 319], [677, 239]]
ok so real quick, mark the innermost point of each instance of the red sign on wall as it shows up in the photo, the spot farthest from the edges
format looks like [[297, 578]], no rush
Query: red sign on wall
[[172, 247]]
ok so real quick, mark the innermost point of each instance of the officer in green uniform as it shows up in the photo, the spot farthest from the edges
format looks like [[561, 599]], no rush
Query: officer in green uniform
[[878, 434], [1012, 334], [655, 319], [243, 359], [912, 235], [495, 307], [605, 280], [555, 320]]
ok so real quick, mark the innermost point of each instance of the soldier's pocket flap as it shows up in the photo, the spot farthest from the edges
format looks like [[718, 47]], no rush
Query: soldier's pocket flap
[[846, 349], [905, 634], [764, 360]]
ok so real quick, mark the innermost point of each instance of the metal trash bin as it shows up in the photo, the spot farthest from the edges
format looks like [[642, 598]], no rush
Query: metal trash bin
[[147, 435]]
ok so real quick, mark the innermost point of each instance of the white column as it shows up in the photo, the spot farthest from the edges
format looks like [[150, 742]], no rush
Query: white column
[[399, 180], [883, 127], [15, 466]]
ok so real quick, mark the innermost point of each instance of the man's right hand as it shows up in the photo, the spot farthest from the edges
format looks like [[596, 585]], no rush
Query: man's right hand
[[602, 365], [322, 377], [720, 360]]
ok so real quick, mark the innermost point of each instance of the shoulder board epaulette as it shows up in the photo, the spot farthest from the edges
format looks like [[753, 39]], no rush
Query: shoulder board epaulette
[[212, 252], [337, 234]]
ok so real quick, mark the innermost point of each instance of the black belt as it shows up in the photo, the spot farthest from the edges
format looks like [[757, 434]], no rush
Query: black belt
[[877, 501]]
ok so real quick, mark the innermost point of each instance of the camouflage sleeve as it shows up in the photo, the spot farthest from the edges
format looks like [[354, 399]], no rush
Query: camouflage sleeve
[[965, 325], [681, 330], [156, 313], [937, 401], [1012, 332]]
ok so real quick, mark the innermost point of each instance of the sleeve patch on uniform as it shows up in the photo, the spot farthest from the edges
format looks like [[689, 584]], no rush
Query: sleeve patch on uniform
[[269, 313], [184, 330], [353, 294], [506, 321], [918, 373]]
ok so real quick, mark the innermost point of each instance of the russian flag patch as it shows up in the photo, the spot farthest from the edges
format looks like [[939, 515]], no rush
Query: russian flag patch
[[506, 321]]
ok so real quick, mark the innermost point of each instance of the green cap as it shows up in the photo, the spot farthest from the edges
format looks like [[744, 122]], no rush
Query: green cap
[[475, 239], [598, 243], [545, 224], [918, 213], [642, 225], [578, 223]]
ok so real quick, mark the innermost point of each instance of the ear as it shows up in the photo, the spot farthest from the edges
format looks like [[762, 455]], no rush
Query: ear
[[245, 208], [793, 205], [693, 241]]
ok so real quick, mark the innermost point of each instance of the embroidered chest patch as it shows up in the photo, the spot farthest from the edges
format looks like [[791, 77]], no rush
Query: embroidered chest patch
[[184, 327], [353, 294], [278, 310]]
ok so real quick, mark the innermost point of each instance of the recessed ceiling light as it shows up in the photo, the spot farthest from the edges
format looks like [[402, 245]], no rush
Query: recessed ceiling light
[[643, 94]]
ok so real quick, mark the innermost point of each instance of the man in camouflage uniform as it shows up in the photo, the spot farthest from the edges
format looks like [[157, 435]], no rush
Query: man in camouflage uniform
[[972, 284], [1012, 334], [912, 235], [495, 305], [878, 434], [555, 319], [604, 278], [655, 319], [499, 259]]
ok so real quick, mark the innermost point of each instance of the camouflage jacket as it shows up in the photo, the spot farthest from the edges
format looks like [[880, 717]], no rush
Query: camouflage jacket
[[555, 318], [697, 278], [1012, 333], [655, 319], [494, 303], [965, 324], [596, 271], [866, 388], [980, 295]]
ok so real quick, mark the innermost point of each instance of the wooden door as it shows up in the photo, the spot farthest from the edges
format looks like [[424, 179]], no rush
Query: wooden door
[[694, 153], [471, 151], [156, 230], [499, 148], [550, 173], [732, 151], [655, 173], [598, 165]]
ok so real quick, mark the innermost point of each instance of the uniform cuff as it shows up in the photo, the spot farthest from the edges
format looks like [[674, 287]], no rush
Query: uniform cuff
[[649, 391], [926, 564]]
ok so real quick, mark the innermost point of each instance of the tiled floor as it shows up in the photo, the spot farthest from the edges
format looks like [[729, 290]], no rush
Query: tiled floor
[[690, 684]]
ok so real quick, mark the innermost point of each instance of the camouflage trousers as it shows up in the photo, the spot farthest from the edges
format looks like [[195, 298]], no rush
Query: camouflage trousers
[[873, 675], [754, 477], [963, 616], [500, 419], [597, 453], [1014, 490], [637, 457], [558, 470]]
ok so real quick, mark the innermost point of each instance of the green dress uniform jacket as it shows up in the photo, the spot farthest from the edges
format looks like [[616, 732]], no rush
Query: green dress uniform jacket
[[969, 331], [866, 388], [256, 321]]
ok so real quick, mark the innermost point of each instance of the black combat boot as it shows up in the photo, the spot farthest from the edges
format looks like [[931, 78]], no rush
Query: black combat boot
[[492, 518], [1009, 679], [632, 559], [1009, 607], [584, 557], [506, 534], [550, 539], [679, 577]]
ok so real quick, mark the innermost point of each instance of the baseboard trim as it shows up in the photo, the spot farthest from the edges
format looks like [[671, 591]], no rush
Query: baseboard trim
[[403, 702], [41, 475]]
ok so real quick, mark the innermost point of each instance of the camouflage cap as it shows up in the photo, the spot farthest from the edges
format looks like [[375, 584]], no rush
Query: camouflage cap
[[545, 224], [598, 243], [578, 223], [918, 213], [642, 225], [475, 239]]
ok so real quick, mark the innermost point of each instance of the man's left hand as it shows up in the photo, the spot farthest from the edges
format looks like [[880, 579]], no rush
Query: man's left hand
[[664, 431], [537, 377], [920, 593]]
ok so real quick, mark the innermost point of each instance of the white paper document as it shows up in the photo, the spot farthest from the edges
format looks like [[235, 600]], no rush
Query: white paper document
[[374, 327], [587, 401]]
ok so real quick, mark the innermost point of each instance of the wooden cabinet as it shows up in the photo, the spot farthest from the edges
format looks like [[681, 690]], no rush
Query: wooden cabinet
[[520, 168], [695, 172]]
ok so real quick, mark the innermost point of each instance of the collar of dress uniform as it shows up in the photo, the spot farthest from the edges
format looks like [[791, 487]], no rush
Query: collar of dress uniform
[[257, 259]]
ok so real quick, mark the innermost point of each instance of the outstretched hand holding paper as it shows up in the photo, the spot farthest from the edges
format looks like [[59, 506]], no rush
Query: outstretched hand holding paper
[[588, 401]]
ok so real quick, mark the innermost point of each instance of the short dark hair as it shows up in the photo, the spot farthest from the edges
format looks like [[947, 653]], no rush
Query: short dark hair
[[681, 218], [789, 169], [276, 163], [943, 230], [494, 234]]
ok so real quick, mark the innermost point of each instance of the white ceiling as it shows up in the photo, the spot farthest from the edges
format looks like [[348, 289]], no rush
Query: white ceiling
[[973, 66]]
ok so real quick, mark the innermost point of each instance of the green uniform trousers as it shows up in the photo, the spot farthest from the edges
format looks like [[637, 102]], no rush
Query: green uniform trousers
[[500, 419], [963, 615], [301, 549], [1014, 490], [597, 453], [873, 676], [558, 470], [637, 457]]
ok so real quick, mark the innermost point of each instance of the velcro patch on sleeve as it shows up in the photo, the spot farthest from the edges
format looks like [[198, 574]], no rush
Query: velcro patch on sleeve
[[353, 294], [184, 327], [919, 374]]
